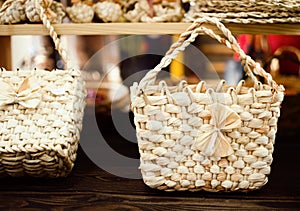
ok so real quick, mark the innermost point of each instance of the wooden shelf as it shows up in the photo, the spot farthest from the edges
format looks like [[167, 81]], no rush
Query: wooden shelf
[[141, 28]]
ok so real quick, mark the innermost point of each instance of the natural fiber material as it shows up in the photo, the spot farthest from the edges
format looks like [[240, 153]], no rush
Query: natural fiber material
[[41, 114], [54, 11], [80, 13], [40, 118], [108, 11], [165, 11], [195, 137], [12, 11], [16, 11], [246, 11], [134, 10], [158, 11]]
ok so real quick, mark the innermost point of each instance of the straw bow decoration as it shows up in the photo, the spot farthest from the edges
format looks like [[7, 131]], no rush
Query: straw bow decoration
[[27, 94], [213, 142]]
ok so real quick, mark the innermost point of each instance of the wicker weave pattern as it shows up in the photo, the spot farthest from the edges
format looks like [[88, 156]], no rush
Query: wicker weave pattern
[[12, 11], [40, 118], [184, 131], [42, 141], [108, 11], [247, 11], [80, 13], [143, 11], [54, 11], [15, 11]]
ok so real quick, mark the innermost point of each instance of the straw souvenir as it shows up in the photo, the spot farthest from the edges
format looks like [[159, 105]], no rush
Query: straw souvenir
[[153, 11], [165, 11], [196, 137], [55, 11], [246, 11], [80, 12], [134, 10], [12, 11], [40, 117], [108, 11]]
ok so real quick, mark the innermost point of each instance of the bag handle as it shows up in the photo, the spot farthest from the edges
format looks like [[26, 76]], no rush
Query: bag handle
[[57, 42], [251, 67]]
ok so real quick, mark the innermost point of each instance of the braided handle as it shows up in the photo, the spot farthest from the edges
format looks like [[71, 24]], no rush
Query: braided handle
[[251, 67], [57, 42]]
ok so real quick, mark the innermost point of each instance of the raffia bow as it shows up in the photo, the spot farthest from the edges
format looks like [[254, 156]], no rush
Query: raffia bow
[[213, 142], [27, 94]]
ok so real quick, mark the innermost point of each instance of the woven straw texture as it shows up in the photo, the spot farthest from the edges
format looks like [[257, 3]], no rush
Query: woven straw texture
[[19, 11], [80, 13], [54, 11], [246, 11], [151, 11], [194, 137], [40, 118], [12, 11], [108, 11]]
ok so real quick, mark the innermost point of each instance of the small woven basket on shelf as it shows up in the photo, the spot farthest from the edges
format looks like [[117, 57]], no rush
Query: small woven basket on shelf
[[40, 118], [80, 12], [192, 137], [54, 11], [108, 11], [153, 11], [12, 11]]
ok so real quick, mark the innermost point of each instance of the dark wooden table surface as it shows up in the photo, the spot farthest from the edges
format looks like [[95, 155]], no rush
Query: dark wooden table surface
[[89, 187]]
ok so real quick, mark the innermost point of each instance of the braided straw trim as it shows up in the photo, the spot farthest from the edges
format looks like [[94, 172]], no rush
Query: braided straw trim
[[251, 67], [58, 45]]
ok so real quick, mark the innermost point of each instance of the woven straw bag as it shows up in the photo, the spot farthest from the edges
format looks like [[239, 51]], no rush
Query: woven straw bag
[[40, 118], [192, 137]]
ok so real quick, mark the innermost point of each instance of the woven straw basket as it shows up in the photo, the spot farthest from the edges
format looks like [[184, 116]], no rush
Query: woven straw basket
[[40, 118], [192, 137]]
